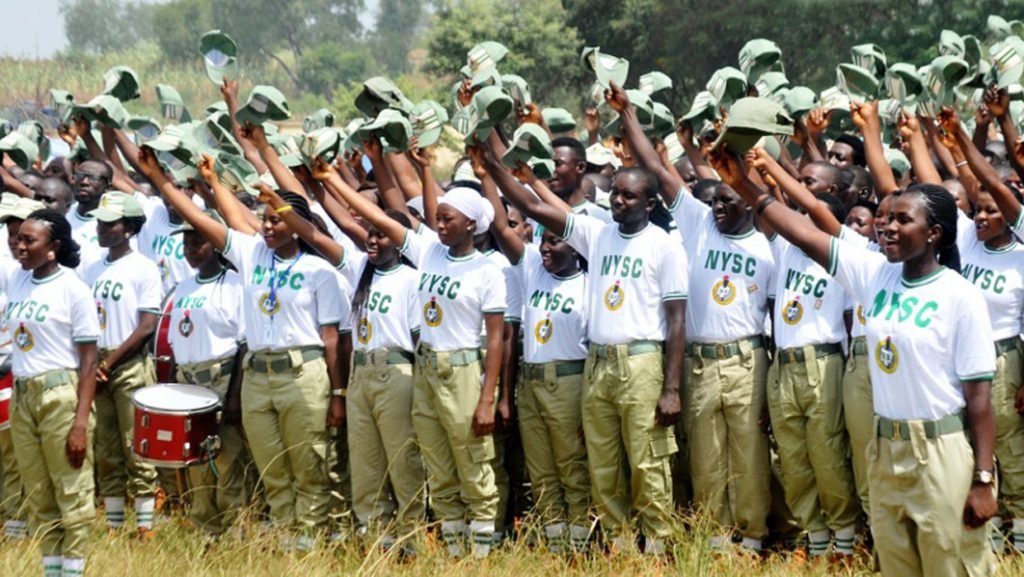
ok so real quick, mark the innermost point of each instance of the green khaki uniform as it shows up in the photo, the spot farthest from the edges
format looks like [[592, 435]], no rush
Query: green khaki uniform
[[729, 459], [339, 479], [1009, 426], [10, 488], [218, 490], [551, 425], [622, 385], [118, 468], [59, 497], [919, 484], [388, 481], [859, 413], [805, 402], [446, 390], [285, 397]]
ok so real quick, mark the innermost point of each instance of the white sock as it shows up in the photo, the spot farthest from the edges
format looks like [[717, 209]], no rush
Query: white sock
[[15, 529], [115, 511], [654, 546], [453, 533], [73, 568], [578, 537], [819, 541], [844, 540], [719, 542], [1018, 534], [621, 545], [555, 534], [482, 533], [144, 507], [52, 565], [751, 544]]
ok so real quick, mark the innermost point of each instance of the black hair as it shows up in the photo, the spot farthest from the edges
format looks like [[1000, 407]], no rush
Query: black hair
[[108, 171], [362, 288], [704, 186], [60, 231], [300, 205], [651, 185], [830, 172], [134, 224], [834, 204], [865, 203], [465, 184], [941, 210], [857, 145], [571, 143]]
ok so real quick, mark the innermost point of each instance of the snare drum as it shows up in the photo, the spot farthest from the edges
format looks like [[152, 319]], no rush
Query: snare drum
[[6, 392], [176, 425], [162, 353]]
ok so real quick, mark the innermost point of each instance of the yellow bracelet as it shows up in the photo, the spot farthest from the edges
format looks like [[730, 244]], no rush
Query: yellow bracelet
[[283, 209]]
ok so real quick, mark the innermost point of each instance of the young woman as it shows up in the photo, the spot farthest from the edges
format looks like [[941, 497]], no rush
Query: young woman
[[453, 415], [127, 293], [55, 329], [207, 325], [293, 302], [931, 482]]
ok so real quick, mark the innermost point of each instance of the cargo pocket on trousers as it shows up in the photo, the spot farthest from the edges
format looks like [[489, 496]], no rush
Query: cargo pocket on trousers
[[76, 499], [663, 444], [482, 452], [322, 455], [1017, 446]]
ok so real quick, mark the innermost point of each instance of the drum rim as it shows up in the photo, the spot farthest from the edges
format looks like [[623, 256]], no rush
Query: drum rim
[[178, 412]]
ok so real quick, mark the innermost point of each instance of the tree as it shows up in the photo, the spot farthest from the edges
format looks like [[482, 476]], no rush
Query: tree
[[325, 67], [179, 25], [105, 25], [395, 34]]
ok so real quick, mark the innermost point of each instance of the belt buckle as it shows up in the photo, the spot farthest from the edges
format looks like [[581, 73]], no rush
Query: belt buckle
[[720, 350], [897, 431], [790, 356]]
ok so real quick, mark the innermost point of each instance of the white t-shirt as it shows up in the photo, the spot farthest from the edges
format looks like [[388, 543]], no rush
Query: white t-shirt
[[924, 337], [391, 313], [455, 293], [513, 296], [207, 320], [309, 293], [999, 275], [167, 250], [47, 318], [586, 208], [83, 230], [554, 311], [121, 290], [8, 267], [631, 276], [730, 276]]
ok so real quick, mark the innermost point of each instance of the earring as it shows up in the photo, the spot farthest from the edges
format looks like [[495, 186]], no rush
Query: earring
[[127, 235], [929, 241], [51, 256], [295, 236]]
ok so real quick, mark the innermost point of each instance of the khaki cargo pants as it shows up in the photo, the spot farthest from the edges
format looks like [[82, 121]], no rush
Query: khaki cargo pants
[[1009, 430], [119, 470], [859, 415], [11, 501]]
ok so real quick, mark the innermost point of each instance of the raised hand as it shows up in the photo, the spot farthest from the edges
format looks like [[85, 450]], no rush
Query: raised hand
[[616, 97]]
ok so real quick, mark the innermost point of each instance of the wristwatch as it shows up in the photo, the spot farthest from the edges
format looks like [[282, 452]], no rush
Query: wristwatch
[[984, 477], [339, 393]]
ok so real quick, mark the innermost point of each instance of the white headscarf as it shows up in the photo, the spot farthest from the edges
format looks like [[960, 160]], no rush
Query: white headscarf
[[470, 203]]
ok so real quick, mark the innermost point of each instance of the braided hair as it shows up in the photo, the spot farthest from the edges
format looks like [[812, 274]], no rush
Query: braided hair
[[300, 205], [68, 255], [941, 210]]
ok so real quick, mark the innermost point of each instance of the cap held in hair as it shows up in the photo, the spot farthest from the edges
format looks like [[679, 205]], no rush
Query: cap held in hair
[[471, 204]]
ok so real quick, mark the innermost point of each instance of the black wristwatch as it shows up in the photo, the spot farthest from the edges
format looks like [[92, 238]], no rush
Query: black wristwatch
[[984, 477]]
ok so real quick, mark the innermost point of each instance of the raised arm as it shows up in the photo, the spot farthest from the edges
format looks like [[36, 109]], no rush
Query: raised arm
[[281, 173], [405, 174], [386, 185], [998, 104], [323, 243], [553, 218], [920, 158], [235, 214], [508, 240], [986, 174], [865, 117], [424, 159], [128, 149], [334, 204], [229, 90], [211, 230], [963, 173], [371, 212], [798, 193]]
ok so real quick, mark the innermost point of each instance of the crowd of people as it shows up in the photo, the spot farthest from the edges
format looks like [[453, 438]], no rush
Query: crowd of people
[[796, 313]]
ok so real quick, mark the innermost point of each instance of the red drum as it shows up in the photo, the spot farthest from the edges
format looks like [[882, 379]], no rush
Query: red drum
[[6, 392], [162, 353], [176, 425]]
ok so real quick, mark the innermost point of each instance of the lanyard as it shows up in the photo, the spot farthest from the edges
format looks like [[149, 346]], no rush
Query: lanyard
[[272, 297]]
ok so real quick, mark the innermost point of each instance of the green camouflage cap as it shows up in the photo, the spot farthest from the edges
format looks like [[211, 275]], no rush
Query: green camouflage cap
[[902, 82], [605, 66], [220, 55], [145, 128], [461, 118], [771, 84], [61, 101], [727, 85], [870, 57], [858, 83], [1007, 62], [122, 83], [559, 120], [799, 101], [392, 127], [944, 74], [115, 205], [322, 118], [749, 120], [837, 102], [757, 57], [482, 63], [490, 107], [18, 207], [427, 119], [105, 109], [20, 149], [528, 142], [517, 88], [379, 93], [35, 132], [703, 109], [655, 82], [543, 168], [600, 155], [172, 105], [322, 143], [265, 103]]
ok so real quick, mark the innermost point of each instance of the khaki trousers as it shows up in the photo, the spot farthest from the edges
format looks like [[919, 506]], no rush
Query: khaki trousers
[[59, 497], [805, 400], [1009, 431], [118, 469], [729, 452], [918, 490], [620, 395], [11, 500], [285, 417], [859, 414]]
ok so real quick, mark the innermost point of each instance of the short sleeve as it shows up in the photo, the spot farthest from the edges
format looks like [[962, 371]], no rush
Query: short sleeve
[[581, 232], [413, 307], [855, 268], [690, 215], [240, 250], [332, 308], [85, 324], [352, 266], [513, 294], [150, 289], [415, 246], [965, 232], [975, 358], [493, 298], [674, 274]]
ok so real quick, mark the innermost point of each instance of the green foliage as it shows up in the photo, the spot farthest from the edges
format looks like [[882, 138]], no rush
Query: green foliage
[[395, 33], [328, 65], [176, 24], [99, 26]]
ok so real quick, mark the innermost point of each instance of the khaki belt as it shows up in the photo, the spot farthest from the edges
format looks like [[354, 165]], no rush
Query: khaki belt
[[859, 346], [460, 358], [206, 375], [47, 380], [1006, 345], [535, 371], [796, 354], [391, 357], [900, 430], [279, 362], [724, 350], [632, 349]]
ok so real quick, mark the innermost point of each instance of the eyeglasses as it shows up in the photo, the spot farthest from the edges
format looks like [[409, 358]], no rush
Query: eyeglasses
[[83, 176]]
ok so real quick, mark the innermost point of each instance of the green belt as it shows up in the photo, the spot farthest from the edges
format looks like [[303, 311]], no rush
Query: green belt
[[264, 363], [900, 430], [1006, 345], [796, 354], [724, 350], [535, 371], [47, 380], [859, 346], [632, 349], [459, 358], [392, 357], [205, 376]]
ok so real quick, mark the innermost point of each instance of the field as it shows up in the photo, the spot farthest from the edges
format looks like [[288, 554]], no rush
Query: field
[[180, 551]]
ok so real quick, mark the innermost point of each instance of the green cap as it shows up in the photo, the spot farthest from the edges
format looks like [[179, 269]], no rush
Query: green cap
[[543, 168], [529, 141], [757, 57], [749, 120], [236, 173], [663, 120], [944, 74], [322, 118], [482, 63], [379, 93], [898, 162], [461, 119], [951, 44], [703, 109], [517, 88], [355, 137], [600, 155], [673, 148], [174, 145], [287, 149], [212, 135], [35, 132], [61, 101], [605, 66], [321, 143], [122, 83], [771, 84], [559, 120], [1007, 61], [655, 82], [19, 207], [20, 149], [392, 127], [145, 128], [799, 101], [115, 205], [265, 103], [644, 113], [999, 27], [220, 55], [172, 105], [5, 127], [215, 107], [727, 85], [858, 83], [186, 226], [902, 82], [104, 109], [870, 57], [427, 119], [490, 107]]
